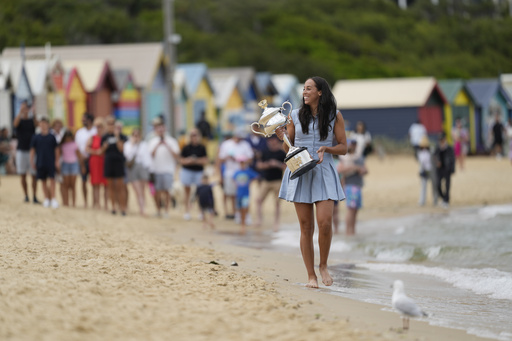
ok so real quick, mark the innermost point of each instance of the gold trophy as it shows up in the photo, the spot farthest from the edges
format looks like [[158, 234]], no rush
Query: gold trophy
[[298, 159]]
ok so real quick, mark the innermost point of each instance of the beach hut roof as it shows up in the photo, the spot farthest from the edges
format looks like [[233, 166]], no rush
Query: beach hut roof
[[224, 85], [483, 90], [194, 74], [384, 93], [285, 85], [179, 83], [246, 77], [143, 59], [265, 84], [37, 73], [92, 73]]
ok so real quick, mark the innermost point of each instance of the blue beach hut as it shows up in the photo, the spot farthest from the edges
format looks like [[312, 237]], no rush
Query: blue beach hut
[[491, 99]]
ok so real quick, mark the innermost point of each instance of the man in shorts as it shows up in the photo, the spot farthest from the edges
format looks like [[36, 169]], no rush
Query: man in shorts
[[25, 127], [43, 155], [164, 151]]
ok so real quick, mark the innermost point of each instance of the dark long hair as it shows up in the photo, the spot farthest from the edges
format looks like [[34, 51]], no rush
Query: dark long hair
[[326, 110]]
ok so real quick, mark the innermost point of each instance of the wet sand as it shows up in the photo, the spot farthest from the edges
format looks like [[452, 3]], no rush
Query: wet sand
[[76, 274]]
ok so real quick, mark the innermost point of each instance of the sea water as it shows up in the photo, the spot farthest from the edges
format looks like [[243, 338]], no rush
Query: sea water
[[456, 265]]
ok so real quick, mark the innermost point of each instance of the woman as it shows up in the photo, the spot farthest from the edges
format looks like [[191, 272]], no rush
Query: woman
[[318, 126], [112, 144], [138, 161], [97, 163], [193, 159]]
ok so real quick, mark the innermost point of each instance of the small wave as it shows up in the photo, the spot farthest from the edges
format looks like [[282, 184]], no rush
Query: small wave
[[491, 282], [490, 212]]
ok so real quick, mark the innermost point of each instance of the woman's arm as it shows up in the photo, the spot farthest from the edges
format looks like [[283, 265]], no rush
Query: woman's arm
[[290, 131], [341, 147]]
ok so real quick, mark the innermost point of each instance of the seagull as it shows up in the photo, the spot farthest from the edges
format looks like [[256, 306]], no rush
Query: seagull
[[405, 305]]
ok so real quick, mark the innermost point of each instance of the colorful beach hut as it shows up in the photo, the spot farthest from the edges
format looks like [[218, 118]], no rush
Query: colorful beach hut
[[390, 106], [180, 101], [99, 83], [127, 101], [460, 105], [229, 102], [248, 88], [491, 99], [144, 60], [200, 94], [76, 99]]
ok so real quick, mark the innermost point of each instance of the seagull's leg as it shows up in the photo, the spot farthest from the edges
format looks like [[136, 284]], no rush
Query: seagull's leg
[[407, 323]]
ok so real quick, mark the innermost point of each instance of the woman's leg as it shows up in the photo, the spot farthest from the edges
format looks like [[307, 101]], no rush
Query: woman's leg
[[324, 210], [350, 221], [65, 190], [120, 193], [307, 229], [111, 193], [187, 201], [96, 196], [139, 193], [72, 187]]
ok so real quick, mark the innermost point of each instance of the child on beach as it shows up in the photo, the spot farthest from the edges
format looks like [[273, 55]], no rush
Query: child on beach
[[70, 167], [44, 147], [204, 195], [243, 179], [352, 167]]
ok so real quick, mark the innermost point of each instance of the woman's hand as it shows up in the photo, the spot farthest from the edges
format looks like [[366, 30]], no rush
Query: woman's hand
[[320, 153], [280, 133]]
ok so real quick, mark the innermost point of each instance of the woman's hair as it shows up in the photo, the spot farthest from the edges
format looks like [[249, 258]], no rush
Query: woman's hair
[[99, 121], [326, 109], [66, 135]]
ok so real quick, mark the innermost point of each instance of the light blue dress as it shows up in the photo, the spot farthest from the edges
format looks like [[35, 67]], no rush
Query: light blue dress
[[320, 183]]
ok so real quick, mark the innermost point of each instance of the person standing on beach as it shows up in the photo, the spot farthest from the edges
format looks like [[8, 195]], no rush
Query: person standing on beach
[[271, 167], [82, 137], [352, 168], [460, 137], [44, 155], [165, 152], [25, 127], [498, 131], [445, 167], [426, 171], [318, 126]]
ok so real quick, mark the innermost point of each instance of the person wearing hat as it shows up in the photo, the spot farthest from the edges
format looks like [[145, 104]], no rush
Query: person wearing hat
[[229, 151], [82, 137], [426, 170], [44, 156], [445, 167]]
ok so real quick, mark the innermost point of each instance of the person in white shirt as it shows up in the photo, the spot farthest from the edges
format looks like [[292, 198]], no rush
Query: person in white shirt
[[138, 162], [82, 136], [229, 151], [164, 151], [416, 133]]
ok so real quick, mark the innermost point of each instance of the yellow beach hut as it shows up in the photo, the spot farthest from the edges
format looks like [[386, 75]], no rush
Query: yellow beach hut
[[76, 99]]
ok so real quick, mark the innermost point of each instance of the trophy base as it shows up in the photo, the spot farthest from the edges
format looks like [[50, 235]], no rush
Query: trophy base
[[299, 161]]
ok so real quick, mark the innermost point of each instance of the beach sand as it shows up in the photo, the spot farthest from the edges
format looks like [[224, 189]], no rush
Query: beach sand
[[76, 274]]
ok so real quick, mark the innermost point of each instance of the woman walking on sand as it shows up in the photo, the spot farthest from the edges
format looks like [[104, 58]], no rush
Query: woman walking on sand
[[318, 126]]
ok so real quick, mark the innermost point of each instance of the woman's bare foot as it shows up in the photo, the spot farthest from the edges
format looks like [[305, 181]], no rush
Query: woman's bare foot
[[326, 277], [313, 283]]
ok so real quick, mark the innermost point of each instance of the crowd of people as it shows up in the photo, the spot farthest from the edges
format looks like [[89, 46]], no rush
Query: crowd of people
[[103, 159]]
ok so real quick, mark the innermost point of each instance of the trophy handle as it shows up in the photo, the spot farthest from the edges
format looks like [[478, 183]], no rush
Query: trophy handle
[[257, 131], [291, 107]]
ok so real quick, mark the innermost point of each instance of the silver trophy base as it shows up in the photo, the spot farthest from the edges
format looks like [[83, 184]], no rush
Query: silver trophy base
[[299, 161]]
